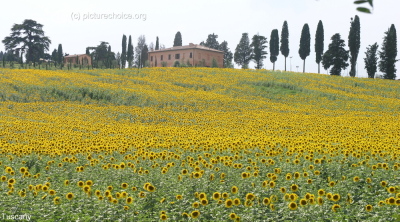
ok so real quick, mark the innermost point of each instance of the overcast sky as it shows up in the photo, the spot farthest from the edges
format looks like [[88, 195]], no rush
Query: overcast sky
[[196, 19]]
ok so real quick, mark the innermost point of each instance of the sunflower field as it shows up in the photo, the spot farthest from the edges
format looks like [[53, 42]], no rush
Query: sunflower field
[[198, 144]]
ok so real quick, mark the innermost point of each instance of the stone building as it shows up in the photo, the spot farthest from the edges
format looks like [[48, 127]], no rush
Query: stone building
[[193, 54], [80, 59]]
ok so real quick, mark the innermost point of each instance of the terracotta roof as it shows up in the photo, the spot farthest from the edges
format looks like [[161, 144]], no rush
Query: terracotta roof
[[190, 46], [74, 55]]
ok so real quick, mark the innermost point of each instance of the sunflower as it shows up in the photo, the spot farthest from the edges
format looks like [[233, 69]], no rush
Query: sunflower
[[320, 201], [129, 200], [228, 203], [86, 188], [250, 196], [3, 178], [335, 197], [57, 200], [204, 202], [329, 196], [202, 196], [248, 203], [294, 187], [178, 197], [69, 196], [283, 190], [232, 216], [11, 181], [332, 183], [321, 192], [391, 189], [368, 208], [52, 192], [272, 184], [195, 204], [335, 207], [234, 190], [292, 205], [195, 214], [317, 172], [288, 176], [89, 183], [216, 196], [391, 201], [163, 217], [356, 179], [266, 201], [303, 202], [66, 182], [236, 202], [124, 185], [142, 194], [110, 188], [244, 175], [151, 188]]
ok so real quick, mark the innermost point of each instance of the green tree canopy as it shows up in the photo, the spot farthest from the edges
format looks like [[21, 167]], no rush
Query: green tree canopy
[[285, 41], [178, 39], [228, 56], [28, 37], [388, 54], [354, 43], [243, 52], [319, 44], [336, 55], [371, 60], [123, 53], [274, 46], [259, 53], [304, 49]]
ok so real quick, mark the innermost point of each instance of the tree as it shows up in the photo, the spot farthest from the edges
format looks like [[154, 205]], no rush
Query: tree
[[54, 56], [87, 51], [228, 56], [214, 63], [60, 55], [319, 44], [123, 53], [371, 60], [274, 47], [243, 51], [144, 57], [129, 54], [354, 43], [118, 59], [259, 52], [28, 37], [211, 42], [178, 39], [388, 54], [304, 49], [285, 41], [138, 50], [336, 55], [157, 44]]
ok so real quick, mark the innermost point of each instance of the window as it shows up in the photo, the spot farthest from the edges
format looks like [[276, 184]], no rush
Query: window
[[151, 58], [162, 57], [169, 57], [177, 56], [190, 56]]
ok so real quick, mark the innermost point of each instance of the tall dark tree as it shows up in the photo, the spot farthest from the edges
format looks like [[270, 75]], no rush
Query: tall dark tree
[[178, 39], [123, 53], [388, 54], [336, 55], [139, 60], [60, 54], [228, 56], [144, 56], [28, 37], [129, 53], [354, 43], [274, 46], [87, 51], [211, 42], [285, 41], [371, 60], [259, 52], [319, 44], [157, 44], [304, 49], [54, 56], [243, 52]]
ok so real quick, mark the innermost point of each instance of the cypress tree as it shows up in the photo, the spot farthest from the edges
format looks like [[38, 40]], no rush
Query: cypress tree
[[388, 54], [285, 41], [371, 59], [274, 47], [123, 54], [157, 44], [129, 54], [319, 44], [60, 54], [304, 49], [178, 39], [354, 43]]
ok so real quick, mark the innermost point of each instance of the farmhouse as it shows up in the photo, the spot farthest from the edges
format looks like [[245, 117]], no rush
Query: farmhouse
[[192, 54], [79, 59]]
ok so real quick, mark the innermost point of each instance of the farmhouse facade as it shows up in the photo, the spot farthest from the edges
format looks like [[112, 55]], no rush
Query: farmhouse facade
[[80, 59], [192, 54]]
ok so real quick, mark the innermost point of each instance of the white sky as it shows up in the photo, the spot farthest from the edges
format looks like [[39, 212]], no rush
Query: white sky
[[196, 19]]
